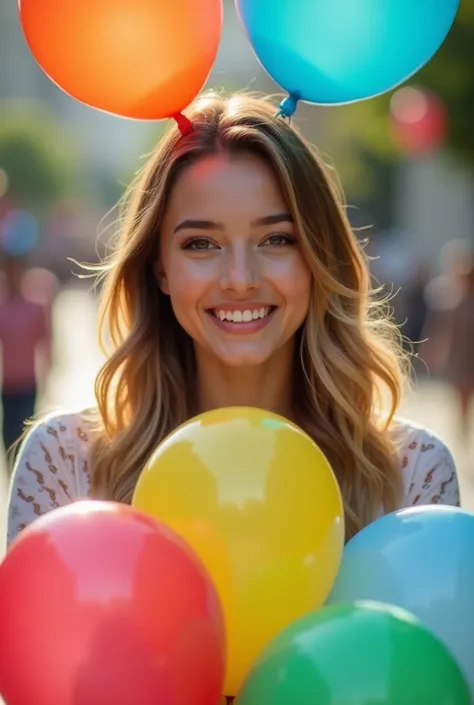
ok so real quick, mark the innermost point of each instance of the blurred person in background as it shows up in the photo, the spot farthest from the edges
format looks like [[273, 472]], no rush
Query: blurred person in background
[[458, 362], [449, 331], [416, 312], [443, 291], [393, 266], [25, 338]]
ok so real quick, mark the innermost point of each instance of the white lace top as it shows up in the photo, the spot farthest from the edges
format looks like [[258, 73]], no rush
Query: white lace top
[[52, 469]]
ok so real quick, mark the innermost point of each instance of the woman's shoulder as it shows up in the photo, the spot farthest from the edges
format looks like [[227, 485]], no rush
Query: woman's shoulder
[[51, 468], [63, 439], [417, 441], [406, 431], [71, 424], [427, 464], [64, 434]]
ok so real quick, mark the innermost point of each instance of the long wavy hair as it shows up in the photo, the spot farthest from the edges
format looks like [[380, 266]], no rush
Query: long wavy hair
[[348, 348]]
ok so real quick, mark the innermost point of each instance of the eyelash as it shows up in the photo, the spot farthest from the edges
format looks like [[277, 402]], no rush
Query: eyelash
[[289, 239], [188, 245]]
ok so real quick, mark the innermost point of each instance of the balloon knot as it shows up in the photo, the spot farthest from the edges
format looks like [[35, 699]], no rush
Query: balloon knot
[[288, 105], [185, 126]]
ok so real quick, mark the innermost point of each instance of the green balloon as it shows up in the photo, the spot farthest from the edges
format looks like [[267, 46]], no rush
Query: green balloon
[[365, 653]]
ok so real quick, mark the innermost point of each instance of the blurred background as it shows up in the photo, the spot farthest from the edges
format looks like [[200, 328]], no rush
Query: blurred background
[[405, 160]]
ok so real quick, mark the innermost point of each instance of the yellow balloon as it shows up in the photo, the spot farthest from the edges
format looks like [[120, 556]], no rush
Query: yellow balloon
[[258, 501]]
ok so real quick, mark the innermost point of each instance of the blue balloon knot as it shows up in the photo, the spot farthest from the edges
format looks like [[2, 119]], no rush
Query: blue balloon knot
[[288, 105]]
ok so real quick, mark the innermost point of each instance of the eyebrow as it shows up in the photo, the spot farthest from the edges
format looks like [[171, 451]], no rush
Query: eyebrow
[[193, 224]]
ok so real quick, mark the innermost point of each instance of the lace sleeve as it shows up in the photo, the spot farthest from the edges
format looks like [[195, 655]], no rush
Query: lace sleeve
[[435, 480], [43, 477]]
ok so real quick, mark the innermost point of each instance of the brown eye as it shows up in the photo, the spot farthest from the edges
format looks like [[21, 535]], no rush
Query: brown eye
[[279, 240], [198, 243]]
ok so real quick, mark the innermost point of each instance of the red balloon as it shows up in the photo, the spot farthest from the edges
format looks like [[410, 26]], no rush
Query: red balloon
[[102, 605], [419, 120]]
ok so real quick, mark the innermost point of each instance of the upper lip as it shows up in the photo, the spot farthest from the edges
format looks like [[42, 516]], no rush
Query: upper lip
[[247, 306]]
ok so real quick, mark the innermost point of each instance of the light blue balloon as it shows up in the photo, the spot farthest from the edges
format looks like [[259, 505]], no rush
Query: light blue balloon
[[420, 559], [341, 51]]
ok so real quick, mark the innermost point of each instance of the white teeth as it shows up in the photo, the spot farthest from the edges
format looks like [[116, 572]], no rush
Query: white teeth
[[241, 316]]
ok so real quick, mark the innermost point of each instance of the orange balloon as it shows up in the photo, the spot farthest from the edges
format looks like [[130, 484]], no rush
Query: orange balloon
[[142, 59]]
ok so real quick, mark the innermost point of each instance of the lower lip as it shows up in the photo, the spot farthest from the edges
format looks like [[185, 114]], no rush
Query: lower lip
[[242, 328]]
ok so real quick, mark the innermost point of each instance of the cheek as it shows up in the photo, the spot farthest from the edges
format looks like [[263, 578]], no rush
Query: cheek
[[187, 281], [293, 279]]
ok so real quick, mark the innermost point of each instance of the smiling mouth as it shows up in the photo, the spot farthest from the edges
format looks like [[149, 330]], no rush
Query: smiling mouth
[[242, 316]]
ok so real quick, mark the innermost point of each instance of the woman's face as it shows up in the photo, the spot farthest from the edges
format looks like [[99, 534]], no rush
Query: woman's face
[[231, 260]]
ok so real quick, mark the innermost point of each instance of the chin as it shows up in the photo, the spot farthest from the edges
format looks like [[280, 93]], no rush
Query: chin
[[243, 359]]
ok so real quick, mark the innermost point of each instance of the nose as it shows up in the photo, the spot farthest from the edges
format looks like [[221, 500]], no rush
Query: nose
[[240, 269]]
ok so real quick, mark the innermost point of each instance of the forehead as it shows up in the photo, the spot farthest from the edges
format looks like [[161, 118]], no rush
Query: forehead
[[221, 184]]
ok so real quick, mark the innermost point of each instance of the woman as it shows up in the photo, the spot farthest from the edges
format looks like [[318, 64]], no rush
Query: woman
[[236, 280]]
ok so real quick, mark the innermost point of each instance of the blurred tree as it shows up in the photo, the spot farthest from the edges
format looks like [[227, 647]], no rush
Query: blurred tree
[[451, 75], [36, 154], [365, 126]]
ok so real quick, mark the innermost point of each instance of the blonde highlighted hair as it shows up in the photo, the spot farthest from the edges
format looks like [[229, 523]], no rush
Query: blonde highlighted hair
[[348, 348]]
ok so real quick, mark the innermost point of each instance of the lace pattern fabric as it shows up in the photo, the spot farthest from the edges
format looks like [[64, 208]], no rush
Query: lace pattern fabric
[[52, 469]]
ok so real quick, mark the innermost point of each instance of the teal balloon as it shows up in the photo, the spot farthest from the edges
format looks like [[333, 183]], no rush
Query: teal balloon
[[341, 51], [422, 560], [359, 654]]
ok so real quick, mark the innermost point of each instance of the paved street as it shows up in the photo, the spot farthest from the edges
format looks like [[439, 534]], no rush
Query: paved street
[[77, 359]]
